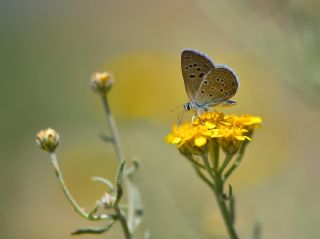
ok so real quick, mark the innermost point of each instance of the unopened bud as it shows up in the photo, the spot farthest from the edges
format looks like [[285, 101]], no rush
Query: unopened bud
[[107, 201], [101, 82], [48, 139]]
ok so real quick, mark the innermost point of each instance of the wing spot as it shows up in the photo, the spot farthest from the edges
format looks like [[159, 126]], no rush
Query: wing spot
[[211, 82], [206, 82], [202, 91], [222, 80], [198, 69], [195, 64], [221, 90], [222, 84], [218, 79], [190, 66], [226, 93], [201, 75], [192, 76], [210, 95], [187, 68]]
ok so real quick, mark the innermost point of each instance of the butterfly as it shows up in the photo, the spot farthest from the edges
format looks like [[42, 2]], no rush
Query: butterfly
[[207, 84]]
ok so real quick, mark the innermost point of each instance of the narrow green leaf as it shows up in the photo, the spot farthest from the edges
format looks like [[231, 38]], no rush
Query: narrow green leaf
[[104, 181], [92, 230], [119, 189]]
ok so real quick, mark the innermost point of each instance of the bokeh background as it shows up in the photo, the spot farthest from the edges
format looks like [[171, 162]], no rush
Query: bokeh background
[[49, 49]]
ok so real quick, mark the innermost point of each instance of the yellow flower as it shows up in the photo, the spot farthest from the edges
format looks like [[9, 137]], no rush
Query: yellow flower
[[245, 121], [192, 138], [232, 138], [231, 131], [210, 118]]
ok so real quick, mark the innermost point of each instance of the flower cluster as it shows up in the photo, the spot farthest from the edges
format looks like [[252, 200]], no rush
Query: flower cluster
[[229, 130]]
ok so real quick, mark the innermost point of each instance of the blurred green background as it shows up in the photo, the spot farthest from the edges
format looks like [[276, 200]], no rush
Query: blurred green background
[[48, 51]]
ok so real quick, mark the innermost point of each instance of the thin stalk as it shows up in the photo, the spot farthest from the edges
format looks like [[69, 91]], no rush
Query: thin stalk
[[208, 167], [123, 222], [214, 153], [76, 207], [194, 162], [225, 163], [113, 128], [120, 156], [224, 210], [237, 161], [203, 177], [218, 191]]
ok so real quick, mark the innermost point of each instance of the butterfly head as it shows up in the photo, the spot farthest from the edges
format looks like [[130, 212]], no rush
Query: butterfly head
[[187, 106]]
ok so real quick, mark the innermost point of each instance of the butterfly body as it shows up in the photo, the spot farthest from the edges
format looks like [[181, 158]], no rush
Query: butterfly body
[[207, 84]]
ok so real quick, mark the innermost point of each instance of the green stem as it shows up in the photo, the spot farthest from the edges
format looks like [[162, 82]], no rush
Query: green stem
[[226, 214], [123, 222], [238, 160], [225, 163], [214, 153], [203, 177], [120, 155], [194, 162], [76, 207], [217, 188], [113, 128]]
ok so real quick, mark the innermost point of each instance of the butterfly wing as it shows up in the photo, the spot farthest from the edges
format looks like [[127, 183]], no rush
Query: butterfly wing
[[218, 86], [195, 66]]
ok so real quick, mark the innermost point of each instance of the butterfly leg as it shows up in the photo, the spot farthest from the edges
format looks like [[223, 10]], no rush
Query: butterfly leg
[[199, 112], [193, 117], [180, 118]]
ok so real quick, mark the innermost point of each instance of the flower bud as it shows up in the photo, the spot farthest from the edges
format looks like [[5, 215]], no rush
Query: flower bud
[[48, 139], [101, 82], [107, 201]]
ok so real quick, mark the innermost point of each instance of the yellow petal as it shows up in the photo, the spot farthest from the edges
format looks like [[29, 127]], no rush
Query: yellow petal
[[200, 141], [176, 140]]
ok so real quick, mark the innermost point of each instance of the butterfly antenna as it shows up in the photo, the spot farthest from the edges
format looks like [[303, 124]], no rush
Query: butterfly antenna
[[180, 117], [175, 108]]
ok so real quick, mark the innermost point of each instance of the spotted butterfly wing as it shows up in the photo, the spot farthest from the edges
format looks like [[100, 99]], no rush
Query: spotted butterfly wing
[[195, 66], [218, 86]]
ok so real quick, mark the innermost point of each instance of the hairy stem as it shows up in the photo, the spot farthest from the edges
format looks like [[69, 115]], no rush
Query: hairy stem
[[217, 188], [120, 156], [123, 221], [67, 193], [113, 128], [238, 160]]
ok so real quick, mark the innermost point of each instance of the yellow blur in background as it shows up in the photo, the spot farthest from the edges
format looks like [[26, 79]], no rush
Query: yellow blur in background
[[49, 49]]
